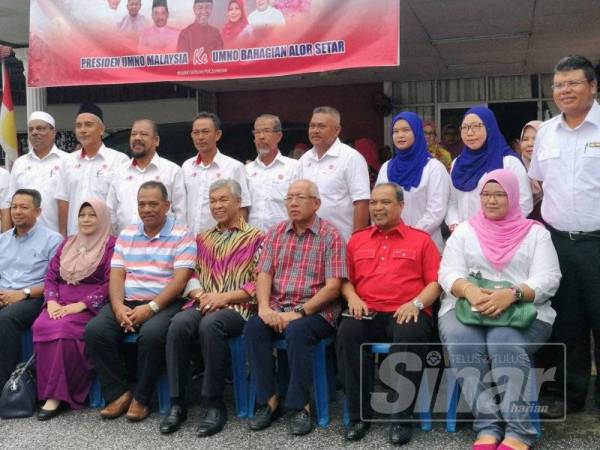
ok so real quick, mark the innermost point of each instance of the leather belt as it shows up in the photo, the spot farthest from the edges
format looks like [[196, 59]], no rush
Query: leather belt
[[576, 235]]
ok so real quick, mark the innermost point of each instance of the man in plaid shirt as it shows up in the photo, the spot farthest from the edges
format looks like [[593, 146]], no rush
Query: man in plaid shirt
[[300, 273]]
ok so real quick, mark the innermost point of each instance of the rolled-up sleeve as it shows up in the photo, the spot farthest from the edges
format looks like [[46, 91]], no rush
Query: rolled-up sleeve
[[544, 271]]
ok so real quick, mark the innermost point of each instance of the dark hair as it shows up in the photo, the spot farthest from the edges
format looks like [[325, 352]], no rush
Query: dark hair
[[208, 115], [35, 196], [576, 62], [151, 122], [156, 185]]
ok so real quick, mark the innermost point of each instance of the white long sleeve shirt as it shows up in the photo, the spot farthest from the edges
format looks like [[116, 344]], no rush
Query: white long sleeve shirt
[[425, 206], [535, 263], [463, 205]]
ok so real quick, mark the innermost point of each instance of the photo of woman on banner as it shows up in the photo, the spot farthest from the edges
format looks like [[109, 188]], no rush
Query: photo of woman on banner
[[236, 22]]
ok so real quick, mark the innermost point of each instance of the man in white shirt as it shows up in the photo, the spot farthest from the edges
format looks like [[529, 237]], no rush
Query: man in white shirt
[[145, 165], [566, 159], [265, 15], [39, 169], [87, 172], [269, 175], [339, 171], [207, 167]]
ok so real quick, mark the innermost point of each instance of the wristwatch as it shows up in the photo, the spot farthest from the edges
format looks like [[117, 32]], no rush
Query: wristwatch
[[154, 306], [27, 293], [518, 293], [300, 309], [418, 304]]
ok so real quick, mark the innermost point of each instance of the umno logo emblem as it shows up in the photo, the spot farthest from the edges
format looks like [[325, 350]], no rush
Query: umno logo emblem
[[200, 57]]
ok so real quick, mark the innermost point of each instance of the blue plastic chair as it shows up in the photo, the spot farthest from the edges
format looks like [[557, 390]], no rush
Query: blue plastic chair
[[422, 396], [323, 379], [26, 344], [164, 398], [454, 398], [240, 376]]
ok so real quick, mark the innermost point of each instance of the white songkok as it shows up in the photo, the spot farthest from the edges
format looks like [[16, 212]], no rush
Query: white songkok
[[41, 115]]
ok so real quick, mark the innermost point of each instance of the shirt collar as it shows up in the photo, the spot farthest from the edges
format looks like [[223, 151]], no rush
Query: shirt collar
[[164, 231], [314, 228], [399, 229], [278, 158], [334, 150], [592, 117], [101, 152], [153, 162], [53, 151], [242, 225], [217, 160], [27, 235]]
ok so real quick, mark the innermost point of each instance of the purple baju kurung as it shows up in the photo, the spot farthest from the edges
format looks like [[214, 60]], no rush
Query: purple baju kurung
[[63, 371]]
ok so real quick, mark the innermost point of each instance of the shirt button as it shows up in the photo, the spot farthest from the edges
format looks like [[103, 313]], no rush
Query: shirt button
[[384, 247], [382, 258], [386, 237]]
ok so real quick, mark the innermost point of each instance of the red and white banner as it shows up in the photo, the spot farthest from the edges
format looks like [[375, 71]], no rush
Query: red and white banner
[[84, 42]]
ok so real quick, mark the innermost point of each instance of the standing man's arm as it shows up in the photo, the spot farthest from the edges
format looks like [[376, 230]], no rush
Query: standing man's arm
[[361, 214], [5, 219], [63, 216]]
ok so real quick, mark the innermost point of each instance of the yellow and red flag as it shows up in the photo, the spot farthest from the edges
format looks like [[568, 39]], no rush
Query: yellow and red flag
[[8, 124]]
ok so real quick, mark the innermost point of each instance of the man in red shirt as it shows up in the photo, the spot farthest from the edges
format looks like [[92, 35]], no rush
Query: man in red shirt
[[300, 272], [392, 270], [199, 39]]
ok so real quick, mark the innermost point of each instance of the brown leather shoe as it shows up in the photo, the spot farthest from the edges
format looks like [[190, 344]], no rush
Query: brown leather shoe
[[117, 407], [137, 411]]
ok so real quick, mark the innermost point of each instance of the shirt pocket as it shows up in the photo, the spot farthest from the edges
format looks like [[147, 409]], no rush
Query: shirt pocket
[[548, 153], [591, 150], [404, 258]]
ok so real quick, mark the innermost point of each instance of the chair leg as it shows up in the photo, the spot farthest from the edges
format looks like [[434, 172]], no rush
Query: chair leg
[[423, 404], [26, 344], [240, 378], [453, 399], [320, 384], [95, 395], [346, 413], [164, 397]]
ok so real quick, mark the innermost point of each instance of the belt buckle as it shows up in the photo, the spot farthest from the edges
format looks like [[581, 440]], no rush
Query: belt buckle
[[573, 235]]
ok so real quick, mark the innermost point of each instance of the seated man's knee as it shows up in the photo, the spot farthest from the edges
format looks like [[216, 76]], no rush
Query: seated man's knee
[[255, 328]]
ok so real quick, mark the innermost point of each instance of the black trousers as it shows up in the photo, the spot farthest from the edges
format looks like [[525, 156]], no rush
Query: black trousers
[[301, 337], [104, 336], [577, 305], [14, 320], [382, 328], [190, 330]]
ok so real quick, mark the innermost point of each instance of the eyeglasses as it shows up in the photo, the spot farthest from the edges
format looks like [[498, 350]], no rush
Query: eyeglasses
[[298, 197], [567, 84], [264, 131], [495, 195], [474, 127]]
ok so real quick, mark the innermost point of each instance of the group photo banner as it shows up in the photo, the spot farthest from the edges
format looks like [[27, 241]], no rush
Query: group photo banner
[[88, 42]]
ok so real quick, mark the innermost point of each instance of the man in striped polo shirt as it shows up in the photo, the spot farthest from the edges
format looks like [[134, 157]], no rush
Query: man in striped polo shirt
[[151, 265]]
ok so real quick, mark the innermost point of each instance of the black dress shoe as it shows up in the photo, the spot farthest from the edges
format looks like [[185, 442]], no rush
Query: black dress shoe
[[171, 423], [263, 418], [44, 414], [301, 423], [212, 422], [357, 430], [400, 433]]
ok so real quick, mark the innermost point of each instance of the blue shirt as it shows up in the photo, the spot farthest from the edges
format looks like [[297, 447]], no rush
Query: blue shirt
[[24, 259]]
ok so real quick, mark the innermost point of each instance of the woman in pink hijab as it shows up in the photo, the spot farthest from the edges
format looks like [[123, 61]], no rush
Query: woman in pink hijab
[[75, 289], [528, 134], [498, 244], [236, 22]]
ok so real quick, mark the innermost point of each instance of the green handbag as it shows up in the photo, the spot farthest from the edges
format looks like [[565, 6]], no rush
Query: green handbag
[[518, 315]]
